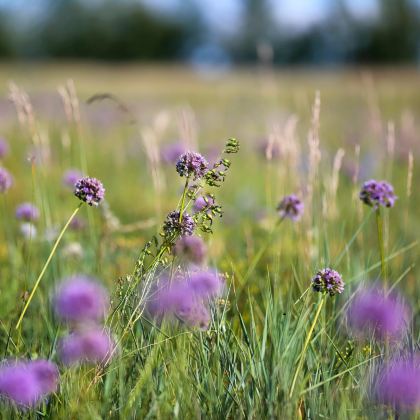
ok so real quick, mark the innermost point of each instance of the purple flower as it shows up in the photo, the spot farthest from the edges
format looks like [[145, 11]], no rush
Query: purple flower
[[71, 176], [398, 384], [93, 345], [328, 281], [4, 148], [372, 312], [203, 202], [27, 212], [27, 383], [291, 207], [81, 298], [173, 226], [6, 180], [171, 152], [191, 248], [89, 190], [206, 283], [191, 164], [377, 193]]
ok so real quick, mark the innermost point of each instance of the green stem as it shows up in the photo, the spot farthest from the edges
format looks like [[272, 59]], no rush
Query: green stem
[[379, 225], [54, 248], [305, 346], [181, 210]]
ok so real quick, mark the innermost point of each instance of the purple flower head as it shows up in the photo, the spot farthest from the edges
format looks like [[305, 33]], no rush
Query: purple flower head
[[6, 180], [89, 190], [377, 193], [81, 298], [173, 226], [4, 148], [372, 312], [398, 384], [171, 152], [27, 383], [27, 212], [206, 283], [291, 207], [191, 164], [202, 202], [328, 281], [191, 248], [71, 176], [94, 345]]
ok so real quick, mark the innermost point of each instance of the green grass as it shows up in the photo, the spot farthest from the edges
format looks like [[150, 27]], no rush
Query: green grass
[[243, 366]]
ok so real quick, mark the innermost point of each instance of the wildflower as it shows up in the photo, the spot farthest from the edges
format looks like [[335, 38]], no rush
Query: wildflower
[[373, 312], [173, 226], [377, 193], [81, 298], [27, 383], [4, 148], [192, 248], [206, 283], [28, 230], [291, 207], [27, 212], [71, 176], [328, 281], [93, 345], [203, 202], [89, 190], [6, 180], [191, 164], [398, 384], [171, 152]]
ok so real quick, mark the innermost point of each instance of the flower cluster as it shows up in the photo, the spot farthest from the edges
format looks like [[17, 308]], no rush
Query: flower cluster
[[377, 193], [27, 383], [374, 313], [174, 226], [6, 180], [27, 212], [185, 298], [190, 248], [191, 165], [89, 190], [328, 281], [291, 207]]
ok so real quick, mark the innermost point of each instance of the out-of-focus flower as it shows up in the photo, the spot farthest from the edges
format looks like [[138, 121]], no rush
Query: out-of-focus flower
[[71, 176], [377, 193], [89, 190], [28, 230], [398, 384], [6, 180], [77, 224], [191, 164], [94, 345], [27, 383], [373, 312], [27, 212], [328, 281], [73, 250], [81, 298], [4, 148], [191, 248], [291, 207], [173, 226], [203, 202], [172, 152]]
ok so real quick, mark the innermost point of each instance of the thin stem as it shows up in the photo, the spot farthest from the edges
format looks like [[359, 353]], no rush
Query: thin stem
[[305, 346], [181, 210], [379, 225], [54, 248]]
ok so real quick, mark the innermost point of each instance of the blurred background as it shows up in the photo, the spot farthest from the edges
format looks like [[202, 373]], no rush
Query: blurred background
[[213, 33]]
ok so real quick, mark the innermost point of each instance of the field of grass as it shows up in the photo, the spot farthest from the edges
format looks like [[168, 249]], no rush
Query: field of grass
[[274, 347]]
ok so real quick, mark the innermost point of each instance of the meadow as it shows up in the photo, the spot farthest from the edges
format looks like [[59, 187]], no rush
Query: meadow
[[269, 345]]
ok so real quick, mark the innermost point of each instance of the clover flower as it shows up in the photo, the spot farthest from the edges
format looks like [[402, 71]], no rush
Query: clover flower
[[328, 281], [6, 180], [173, 226], [377, 193], [291, 207], [81, 298], [89, 190], [191, 248], [27, 212], [191, 164], [373, 312], [71, 176], [4, 148]]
